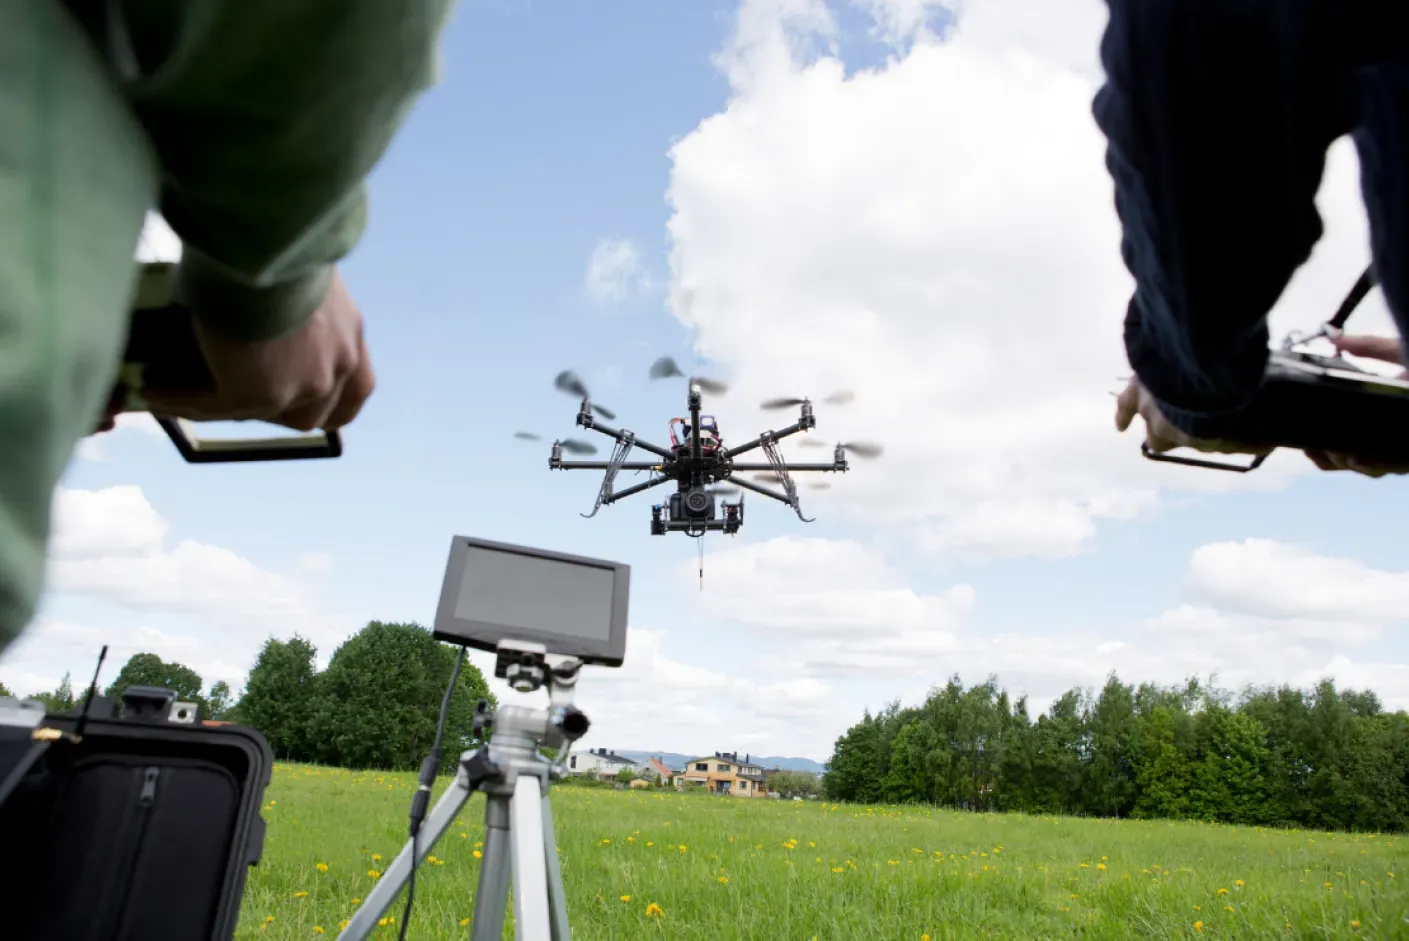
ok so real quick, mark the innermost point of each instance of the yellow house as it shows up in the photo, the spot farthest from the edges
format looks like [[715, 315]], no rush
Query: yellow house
[[723, 773]]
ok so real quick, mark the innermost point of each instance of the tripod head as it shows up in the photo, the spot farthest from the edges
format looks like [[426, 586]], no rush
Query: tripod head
[[527, 668]]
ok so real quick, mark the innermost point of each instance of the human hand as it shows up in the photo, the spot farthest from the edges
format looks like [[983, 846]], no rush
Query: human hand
[[1160, 435], [316, 377], [1384, 349]]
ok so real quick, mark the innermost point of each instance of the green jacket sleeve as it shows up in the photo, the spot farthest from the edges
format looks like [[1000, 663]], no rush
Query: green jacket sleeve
[[266, 117]]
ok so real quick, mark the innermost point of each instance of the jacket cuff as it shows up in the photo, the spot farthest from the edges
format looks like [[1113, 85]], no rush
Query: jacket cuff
[[239, 310]]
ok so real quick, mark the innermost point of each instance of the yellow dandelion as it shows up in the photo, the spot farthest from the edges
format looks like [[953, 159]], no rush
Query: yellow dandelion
[[478, 855], [650, 843], [1355, 924], [321, 867], [464, 836], [356, 901], [376, 857], [342, 925], [374, 874], [724, 880], [300, 895], [653, 910], [1198, 926], [1238, 883], [1229, 908], [317, 929], [682, 848], [1101, 866]]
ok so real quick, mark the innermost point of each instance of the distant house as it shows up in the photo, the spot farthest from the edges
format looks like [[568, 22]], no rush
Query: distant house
[[723, 773], [654, 770], [599, 762]]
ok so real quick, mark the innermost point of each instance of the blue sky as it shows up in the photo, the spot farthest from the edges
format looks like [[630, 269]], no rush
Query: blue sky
[[1007, 530]]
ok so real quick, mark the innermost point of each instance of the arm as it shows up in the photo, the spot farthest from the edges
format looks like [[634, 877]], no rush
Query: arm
[[266, 119], [1217, 119]]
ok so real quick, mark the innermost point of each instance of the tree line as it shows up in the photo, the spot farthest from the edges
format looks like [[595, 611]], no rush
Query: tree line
[[1321, 758], [375, 706]]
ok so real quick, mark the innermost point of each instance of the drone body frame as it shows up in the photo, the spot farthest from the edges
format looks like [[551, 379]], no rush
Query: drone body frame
[[693, 468]]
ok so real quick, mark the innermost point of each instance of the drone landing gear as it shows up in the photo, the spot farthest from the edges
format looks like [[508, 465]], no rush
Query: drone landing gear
[[625, 441]]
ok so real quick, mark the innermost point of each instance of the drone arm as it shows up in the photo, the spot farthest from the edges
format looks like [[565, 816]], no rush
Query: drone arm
[[804, 424], [604, 465], [585, 419], [744, 466], [696, 438], [635, 489], [757, 489]]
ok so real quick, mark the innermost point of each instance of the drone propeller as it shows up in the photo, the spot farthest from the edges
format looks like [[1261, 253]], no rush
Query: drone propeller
[[864, 449], [812, 443], [820, 485], [723, 491], [667, 368], [836, 398], [570, 445], [569, 382]]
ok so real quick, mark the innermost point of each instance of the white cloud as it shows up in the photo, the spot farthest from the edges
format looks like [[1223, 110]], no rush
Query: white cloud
[[939, 235], [111, 544], [203, 605], [1264, 578], [94, 447], [158, 242], [615, 273], [838, 606], [50, 648], [654, 701], [838, 610]]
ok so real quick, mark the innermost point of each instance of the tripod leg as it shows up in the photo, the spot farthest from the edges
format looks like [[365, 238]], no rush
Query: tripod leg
[[394, 879], [492, 895], [558, 904], [531, 921]]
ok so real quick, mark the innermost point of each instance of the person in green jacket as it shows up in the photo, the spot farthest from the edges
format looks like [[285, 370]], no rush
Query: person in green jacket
[[251, 127]]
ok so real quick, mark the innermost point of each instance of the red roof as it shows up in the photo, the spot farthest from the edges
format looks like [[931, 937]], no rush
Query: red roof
[[660, 766]]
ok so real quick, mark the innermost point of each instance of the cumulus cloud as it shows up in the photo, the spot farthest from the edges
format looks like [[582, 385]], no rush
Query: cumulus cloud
[[1263, 578], [938, 234], [201, 604], [157, 241], [111, 544], [615, 273], [140, 425], [656, 701], [837, 609], [840, 608]]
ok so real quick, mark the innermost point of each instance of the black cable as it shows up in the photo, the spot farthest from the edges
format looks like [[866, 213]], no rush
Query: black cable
[[422, 800]]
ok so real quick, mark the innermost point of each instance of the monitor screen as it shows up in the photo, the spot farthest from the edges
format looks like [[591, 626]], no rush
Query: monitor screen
[[573, 606]]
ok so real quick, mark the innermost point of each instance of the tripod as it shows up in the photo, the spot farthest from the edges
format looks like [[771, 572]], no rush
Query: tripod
[[518, 819]]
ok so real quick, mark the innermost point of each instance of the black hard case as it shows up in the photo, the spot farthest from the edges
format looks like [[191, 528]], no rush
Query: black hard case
[[142, 831]]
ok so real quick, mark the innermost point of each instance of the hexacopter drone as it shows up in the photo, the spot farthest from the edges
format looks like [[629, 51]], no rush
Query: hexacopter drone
[[697, 460]]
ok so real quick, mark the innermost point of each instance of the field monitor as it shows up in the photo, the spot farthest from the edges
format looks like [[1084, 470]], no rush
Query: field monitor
[[495, 592]]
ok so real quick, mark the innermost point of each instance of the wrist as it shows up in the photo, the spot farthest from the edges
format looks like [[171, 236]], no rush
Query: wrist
[[238, 310]]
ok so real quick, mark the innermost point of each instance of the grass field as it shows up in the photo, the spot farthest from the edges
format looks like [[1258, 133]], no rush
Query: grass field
[[657, 864]]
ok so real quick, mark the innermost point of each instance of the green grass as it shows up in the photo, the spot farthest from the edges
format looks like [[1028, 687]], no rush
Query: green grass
[[725, 868]]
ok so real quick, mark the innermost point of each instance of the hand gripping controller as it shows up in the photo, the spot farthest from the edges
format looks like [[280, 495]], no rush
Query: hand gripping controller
[[163, 353], [1319, 403]]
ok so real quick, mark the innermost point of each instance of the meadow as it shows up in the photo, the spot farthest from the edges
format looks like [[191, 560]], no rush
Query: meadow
[[659, 864]]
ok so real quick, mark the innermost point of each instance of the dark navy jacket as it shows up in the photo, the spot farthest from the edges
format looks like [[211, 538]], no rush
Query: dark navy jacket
[[1218, 114]]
